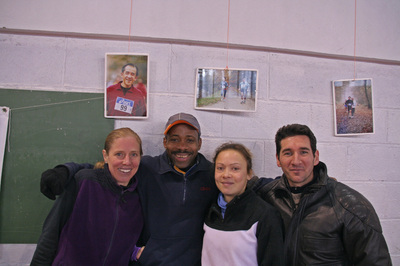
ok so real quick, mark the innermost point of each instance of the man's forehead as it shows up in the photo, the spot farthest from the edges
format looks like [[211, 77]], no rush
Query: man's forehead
[[180, 134], [301, 141], [296, 147], [130, 69]]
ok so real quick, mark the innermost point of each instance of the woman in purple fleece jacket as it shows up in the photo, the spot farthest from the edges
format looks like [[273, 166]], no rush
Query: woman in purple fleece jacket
[[98, 218]]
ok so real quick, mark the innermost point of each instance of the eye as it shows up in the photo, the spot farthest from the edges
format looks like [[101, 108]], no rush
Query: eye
[[134, 154], [190, 140], [119, 155], [219, 168], [174, 140]]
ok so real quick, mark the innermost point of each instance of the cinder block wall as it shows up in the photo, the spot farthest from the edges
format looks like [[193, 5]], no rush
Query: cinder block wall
[[292, 89]]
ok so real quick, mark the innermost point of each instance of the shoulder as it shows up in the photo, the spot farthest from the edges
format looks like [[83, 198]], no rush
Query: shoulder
[[257, 183], [149, 164], [113, 87], [92, 174], [355, 203], [267, 213], [265, 186], [147, 159], [262, 204], [203, 161], [257, 204], [155, 164], [137, 93], [86, 172]]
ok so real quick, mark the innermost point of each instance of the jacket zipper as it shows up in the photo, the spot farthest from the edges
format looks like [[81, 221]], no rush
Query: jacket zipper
[[184, 188], [301, 208]]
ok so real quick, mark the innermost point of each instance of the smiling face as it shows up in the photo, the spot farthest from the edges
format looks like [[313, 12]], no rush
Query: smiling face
[[128, 76], [297, 160], [231, 173], [123, 159], [182, 144]]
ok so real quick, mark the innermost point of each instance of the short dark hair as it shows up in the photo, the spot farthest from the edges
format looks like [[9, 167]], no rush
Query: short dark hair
[[245, 152], [132, 65], [294, 130]]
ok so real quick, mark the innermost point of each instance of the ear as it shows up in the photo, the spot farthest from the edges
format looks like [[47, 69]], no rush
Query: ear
[[200, 142], [250, 175], [278, 163], [105, 156], [165, 142], [316, 158]]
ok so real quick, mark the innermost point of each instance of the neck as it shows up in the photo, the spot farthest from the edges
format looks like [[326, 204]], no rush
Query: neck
[[124, 86], [296, 190]]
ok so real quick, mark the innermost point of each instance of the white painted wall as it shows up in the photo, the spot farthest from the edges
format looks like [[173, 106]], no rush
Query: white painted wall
[[305, 25], [294, 86]]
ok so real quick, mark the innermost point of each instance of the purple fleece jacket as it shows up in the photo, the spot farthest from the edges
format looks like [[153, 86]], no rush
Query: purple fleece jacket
[[100, 223]]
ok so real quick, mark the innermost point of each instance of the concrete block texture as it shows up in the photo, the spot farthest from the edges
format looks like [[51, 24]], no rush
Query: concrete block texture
[[30, 62]]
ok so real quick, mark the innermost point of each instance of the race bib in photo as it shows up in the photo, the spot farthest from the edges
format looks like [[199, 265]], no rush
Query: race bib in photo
[[124, 105]]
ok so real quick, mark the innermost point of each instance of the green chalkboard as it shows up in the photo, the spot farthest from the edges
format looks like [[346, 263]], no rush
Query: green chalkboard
[[46, 129]]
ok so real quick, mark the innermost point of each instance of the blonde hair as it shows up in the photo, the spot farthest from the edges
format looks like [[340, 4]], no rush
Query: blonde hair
[[116, 134]]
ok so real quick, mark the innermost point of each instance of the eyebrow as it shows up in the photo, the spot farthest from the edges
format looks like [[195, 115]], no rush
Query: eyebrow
[[128, 152], [301, 148], [130, 72], [231, 164]]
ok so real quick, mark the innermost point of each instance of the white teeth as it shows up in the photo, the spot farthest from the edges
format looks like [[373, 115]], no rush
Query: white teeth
[[125, 170], [181, 156]]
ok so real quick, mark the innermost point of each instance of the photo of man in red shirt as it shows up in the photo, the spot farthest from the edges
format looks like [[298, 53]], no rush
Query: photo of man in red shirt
[[123, 98]]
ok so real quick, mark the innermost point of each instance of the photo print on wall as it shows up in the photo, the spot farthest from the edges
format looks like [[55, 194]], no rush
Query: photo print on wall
[[126, 86], [353, 107], [226, 89]]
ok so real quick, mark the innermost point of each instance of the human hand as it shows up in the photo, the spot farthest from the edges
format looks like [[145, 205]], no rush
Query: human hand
[[139, 252], [53, 181]]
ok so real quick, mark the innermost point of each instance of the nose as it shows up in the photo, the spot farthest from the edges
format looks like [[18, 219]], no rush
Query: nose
[[296, 158], [182, 145], [126, 160], [226, 173]]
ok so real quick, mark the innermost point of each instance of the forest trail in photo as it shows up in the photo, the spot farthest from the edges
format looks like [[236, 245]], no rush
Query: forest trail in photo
[[233, 102], [361, 122]]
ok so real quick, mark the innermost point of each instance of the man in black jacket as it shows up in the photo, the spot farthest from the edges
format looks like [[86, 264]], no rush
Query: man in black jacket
[[326, 222]]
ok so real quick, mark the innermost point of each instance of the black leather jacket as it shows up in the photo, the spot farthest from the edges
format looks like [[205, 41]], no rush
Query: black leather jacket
[[332, 225]]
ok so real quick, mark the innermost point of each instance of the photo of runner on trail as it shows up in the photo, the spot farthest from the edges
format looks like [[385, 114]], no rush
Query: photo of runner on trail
[[353, 107], [226, 89]]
